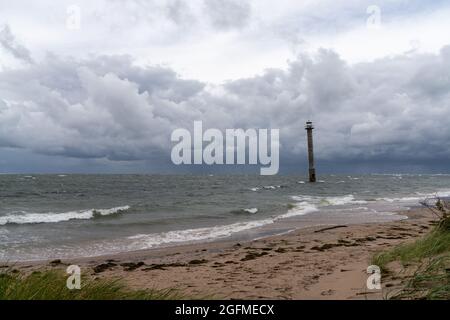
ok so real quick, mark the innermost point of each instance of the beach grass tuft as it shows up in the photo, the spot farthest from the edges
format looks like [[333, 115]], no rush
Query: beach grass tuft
[[51, 285], [430, 281], [435, 243], [430, 256]]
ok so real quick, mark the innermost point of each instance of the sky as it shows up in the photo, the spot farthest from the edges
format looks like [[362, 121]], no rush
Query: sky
[[98, 86]]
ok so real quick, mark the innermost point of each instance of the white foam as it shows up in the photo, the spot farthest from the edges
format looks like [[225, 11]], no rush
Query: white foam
[[265, 188], [151, 240], [300, 208], [271, 187], [420, 196], [442, 193], [144, 241], [329, 201], [338, 201], [51, 217], [251, 210], [404, 199]]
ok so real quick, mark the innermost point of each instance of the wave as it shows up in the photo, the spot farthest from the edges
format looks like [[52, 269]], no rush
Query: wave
[[271, 187], [420, 196], [145, 241], [244, 211], [329, 201], [51, 217], [440, 193], [298, 209], [405, 199], [266, 188]]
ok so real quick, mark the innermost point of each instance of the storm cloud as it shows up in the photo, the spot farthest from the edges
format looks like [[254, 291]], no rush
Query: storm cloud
[[107, 107], [109, 94], [12, 46]]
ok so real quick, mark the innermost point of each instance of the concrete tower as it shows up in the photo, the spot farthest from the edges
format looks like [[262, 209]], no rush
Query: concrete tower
[[312, 171]]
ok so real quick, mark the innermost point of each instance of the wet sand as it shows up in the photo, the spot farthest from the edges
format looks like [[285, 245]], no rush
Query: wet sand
[[326, 262]]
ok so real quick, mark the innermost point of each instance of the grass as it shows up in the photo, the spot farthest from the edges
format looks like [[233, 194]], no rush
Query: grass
[[435, 243], [51, 285], [430, 256], [430, 281]]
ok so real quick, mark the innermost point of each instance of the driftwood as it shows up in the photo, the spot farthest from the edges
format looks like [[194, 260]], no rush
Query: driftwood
[[329, 228]]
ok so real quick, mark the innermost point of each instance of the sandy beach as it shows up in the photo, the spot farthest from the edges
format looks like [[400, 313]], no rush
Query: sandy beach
[[324, 262]]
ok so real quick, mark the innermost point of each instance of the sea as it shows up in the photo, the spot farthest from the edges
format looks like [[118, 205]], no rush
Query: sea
[[70, 216]]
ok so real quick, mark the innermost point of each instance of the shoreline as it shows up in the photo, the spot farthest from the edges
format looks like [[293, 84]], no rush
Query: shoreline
[[316, 262], [279, 227]]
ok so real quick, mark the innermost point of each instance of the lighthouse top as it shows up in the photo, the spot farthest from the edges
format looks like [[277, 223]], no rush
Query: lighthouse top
[[309, 125]]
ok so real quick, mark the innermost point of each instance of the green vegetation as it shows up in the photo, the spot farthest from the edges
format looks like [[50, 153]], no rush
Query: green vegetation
[[51, 285], [430, 281], [435, 243], [430, 258]]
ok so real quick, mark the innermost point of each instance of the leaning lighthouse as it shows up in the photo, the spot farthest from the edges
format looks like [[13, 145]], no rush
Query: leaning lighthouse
[[312, 171]]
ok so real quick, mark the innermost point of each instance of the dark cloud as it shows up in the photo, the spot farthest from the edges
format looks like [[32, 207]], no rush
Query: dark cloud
[[12, 46], [392, 109], [179, 12], [79, 109]]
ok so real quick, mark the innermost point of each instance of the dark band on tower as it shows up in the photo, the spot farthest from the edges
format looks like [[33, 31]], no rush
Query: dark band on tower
[[312, 171]]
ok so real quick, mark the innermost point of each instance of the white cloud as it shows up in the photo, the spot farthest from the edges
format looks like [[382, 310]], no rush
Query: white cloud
[[201, 39]]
